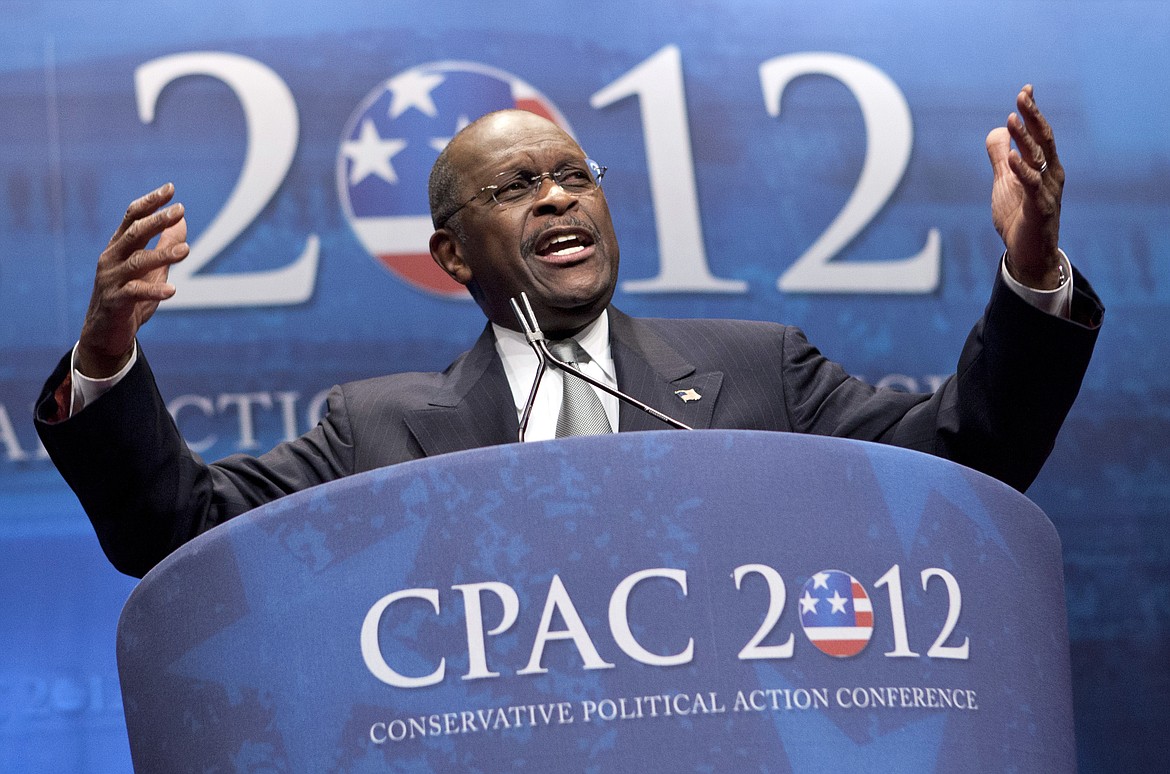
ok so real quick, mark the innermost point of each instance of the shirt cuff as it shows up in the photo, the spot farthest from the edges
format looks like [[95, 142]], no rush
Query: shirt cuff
[[1057, 302], [87, 390]]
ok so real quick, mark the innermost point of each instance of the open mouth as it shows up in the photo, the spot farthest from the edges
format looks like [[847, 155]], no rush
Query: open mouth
[[564, 243]]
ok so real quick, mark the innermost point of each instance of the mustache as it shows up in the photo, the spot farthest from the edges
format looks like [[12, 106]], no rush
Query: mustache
[[528, 245]]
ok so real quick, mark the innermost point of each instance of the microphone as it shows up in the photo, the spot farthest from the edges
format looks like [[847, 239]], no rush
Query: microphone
[[536, 339]]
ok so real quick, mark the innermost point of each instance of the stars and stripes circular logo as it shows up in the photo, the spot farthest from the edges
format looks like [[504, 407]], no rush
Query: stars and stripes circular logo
[[392, 140], [836, 613]]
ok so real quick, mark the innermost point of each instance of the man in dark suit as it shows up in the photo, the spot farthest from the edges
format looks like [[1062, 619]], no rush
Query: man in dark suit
[[517, 207]]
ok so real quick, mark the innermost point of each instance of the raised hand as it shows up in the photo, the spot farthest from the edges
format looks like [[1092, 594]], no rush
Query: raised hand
[[1025, 196], [130, 281]]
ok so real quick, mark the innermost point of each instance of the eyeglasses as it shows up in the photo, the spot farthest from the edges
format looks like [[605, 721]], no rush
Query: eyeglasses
[[577, 178]]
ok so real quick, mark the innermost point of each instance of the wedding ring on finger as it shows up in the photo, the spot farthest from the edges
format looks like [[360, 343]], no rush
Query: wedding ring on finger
[[1043, 167]]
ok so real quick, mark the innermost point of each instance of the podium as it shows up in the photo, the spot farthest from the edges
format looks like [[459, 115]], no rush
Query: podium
[[656, 601]]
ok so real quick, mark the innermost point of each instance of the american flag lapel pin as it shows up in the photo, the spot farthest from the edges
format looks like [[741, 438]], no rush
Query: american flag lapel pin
[[687, 395]]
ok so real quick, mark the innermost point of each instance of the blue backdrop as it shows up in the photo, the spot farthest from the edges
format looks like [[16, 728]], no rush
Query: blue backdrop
[[816, 164]]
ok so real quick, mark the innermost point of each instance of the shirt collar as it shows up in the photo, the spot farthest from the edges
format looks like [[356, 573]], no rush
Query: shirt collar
[[520, 361]]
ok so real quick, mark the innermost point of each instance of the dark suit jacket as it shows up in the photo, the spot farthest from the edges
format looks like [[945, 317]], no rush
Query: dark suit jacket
[[147, 493]]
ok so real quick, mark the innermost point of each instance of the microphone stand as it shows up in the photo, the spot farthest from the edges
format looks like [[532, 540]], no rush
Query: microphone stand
[[536, 339]]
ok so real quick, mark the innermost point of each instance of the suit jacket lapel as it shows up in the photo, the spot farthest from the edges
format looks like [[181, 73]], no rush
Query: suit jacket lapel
[[474, 408], [653, 372]]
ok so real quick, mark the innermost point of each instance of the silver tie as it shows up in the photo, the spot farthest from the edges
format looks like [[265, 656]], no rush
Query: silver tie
[[581, 409]]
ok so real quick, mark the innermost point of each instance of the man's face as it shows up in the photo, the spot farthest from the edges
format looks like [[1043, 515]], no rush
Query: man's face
[[559, 248]]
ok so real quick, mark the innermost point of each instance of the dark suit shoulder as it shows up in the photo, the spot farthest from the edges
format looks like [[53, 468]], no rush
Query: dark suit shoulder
[[666, 325], [409, 390], [419, 389], [718, 344]]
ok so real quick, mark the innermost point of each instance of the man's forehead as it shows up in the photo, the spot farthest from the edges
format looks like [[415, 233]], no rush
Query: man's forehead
[[502, 137]]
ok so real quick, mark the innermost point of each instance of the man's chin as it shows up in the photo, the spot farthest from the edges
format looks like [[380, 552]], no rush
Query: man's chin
[[572, 312]]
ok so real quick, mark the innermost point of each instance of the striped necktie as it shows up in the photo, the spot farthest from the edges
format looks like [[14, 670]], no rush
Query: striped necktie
[[581, 409]]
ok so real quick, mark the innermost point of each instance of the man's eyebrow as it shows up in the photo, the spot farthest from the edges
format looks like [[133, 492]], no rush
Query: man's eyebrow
[[529, 167]]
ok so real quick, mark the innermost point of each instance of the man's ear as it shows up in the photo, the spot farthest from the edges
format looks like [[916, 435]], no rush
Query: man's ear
[[447, 250], [448, 253]]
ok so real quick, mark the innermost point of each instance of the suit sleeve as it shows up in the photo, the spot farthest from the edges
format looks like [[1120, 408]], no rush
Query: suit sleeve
[[1017, 377], [147, 493]]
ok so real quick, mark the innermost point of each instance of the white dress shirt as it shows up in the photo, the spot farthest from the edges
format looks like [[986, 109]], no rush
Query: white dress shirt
[[520, 365]]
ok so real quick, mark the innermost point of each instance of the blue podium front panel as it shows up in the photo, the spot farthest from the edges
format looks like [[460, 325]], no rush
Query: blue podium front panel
[[708, 601]]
